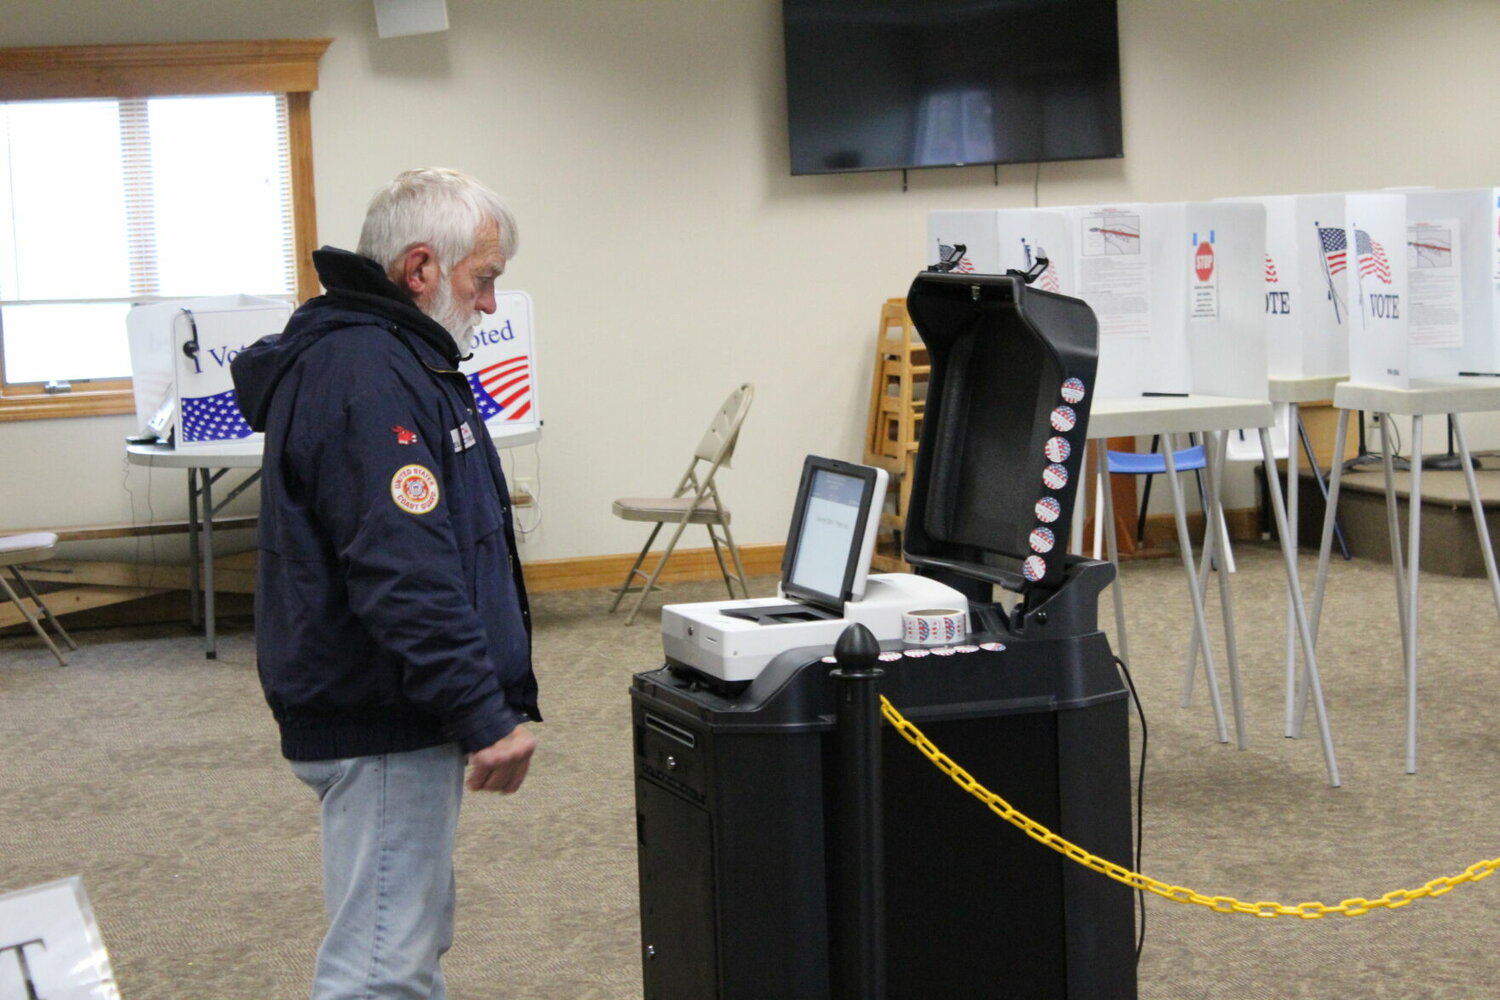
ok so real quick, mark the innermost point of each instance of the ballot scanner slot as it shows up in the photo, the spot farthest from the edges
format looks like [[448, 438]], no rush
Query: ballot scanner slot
[[671, 731], [781, 614]]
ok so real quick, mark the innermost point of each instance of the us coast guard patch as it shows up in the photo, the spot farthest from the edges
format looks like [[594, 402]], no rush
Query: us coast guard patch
[[414, 489]]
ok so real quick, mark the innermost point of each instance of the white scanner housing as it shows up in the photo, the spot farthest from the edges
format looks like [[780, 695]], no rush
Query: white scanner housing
[[729, 648]]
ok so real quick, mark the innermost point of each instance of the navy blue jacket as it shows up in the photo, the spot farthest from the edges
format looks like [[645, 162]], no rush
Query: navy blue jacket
[[390, 610]]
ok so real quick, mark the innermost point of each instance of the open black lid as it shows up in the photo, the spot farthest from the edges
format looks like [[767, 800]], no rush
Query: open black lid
[[1003, 432]]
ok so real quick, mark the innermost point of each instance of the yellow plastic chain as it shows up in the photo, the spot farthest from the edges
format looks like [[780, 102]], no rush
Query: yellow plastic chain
[[1353, 907]]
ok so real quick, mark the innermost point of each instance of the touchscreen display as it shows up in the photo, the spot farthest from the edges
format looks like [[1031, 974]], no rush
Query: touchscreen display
[[831, 533]]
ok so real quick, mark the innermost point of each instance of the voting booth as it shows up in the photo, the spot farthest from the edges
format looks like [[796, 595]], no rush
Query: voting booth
[[744, 886], [1453, 282], [179, 357], [1167, 282], [180, 352]]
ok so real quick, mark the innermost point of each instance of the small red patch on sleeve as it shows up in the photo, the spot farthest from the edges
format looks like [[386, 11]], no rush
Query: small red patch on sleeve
[[404, 436]]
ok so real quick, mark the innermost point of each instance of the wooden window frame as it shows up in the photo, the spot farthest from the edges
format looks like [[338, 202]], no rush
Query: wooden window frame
[[286, 66]]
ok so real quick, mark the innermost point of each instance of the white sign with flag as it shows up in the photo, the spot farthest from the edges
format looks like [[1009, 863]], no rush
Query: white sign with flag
[[1375, 244], [502, 371]]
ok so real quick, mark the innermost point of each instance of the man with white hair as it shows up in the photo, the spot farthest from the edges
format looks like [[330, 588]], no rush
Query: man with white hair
[[393, 637]]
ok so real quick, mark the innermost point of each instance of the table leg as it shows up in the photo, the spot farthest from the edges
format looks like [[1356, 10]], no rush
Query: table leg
[[1299, 610], [1292, 517], [209, 622], [1325, 544], [1414, 548], [1106, 511], [1485, 545], [1214, 528], [195, 593], [1200, 622], [1393, 525]]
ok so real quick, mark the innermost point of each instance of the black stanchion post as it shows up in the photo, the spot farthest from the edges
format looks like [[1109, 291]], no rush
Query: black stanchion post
[[860, 962]]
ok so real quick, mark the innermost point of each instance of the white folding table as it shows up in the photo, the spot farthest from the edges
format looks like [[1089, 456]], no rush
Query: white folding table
[[204, 468], [1449, 397], [1215, 416]]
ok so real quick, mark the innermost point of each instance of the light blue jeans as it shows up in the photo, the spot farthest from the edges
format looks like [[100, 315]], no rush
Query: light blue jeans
[[388, 829]]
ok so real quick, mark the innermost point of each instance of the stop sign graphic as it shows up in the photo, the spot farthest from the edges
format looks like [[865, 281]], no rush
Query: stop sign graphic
[[1203, 261]]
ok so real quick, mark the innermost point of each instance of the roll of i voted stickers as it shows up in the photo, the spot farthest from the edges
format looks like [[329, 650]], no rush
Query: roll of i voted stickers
[[1058, 449], [1072, 390], [1034, 568], [1055, 476], [1064, 419], [1042, 539], [934, 626], [1048, 510]]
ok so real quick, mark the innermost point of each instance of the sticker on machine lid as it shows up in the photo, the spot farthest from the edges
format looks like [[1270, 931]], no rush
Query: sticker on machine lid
[[1034, 568], [1048, 510], [1042, 539], [1073, 390], [1064, 419], [1058, 449], [1055, 476]]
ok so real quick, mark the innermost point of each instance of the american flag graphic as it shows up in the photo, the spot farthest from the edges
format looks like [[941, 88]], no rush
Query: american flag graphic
[[1335, 249], [1049, 282], [503, 388], [1271, 277], [213, 418], [1372, 259]]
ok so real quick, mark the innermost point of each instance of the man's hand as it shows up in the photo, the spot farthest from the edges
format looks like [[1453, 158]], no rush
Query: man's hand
[[501, 766]]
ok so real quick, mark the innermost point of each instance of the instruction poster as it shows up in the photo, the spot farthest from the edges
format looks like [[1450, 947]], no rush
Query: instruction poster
[[1115, 273], [1203, 291], [1433, 284]]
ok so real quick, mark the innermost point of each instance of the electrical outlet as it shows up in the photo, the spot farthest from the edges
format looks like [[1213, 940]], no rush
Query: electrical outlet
[[526, 486]]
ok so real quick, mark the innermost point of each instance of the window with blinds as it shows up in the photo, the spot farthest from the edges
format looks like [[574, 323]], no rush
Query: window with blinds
[[106, 203]]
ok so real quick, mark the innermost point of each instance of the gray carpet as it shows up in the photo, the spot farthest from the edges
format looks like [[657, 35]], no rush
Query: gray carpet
[[153, 773]]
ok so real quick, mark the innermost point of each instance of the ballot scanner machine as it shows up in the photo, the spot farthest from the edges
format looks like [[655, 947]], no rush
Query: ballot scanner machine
[[825, 586], [739, 846]]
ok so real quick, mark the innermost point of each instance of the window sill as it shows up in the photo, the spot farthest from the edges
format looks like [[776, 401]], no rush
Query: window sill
[[41, 406]]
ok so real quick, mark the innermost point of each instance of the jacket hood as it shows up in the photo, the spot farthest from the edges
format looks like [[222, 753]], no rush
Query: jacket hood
[[358, 294]]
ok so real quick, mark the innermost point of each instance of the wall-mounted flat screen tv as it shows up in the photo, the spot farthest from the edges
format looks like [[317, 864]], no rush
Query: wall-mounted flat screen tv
[[898, 84]]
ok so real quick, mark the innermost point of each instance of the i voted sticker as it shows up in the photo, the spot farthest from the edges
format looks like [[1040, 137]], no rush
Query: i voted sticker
[[1058, 449], [1064, 419], [1073, 390], [1034, 568], [1055, 477], [1042, 539], [1048, 510]]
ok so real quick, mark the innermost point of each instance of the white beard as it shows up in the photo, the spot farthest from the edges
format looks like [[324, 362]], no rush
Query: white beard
[[447, 314]]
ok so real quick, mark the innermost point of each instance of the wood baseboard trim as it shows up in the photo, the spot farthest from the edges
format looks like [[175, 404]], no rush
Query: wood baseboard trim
[[608, 571], [699, 564], [1243, 524]]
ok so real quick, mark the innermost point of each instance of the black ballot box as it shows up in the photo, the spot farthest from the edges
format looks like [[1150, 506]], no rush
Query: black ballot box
[[738, 836], [738, 786]]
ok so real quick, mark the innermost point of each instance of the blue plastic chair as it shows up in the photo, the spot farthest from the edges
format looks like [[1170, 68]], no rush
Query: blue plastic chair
[[1154, 463]]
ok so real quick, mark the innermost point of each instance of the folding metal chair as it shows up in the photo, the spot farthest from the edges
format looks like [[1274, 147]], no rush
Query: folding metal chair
[[695, 501], [15, 551]]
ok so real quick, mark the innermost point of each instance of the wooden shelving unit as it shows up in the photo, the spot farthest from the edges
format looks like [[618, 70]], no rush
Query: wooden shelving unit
[[898, 395]]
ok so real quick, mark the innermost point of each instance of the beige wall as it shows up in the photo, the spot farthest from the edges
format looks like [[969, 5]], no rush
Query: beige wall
[[670, 254]]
